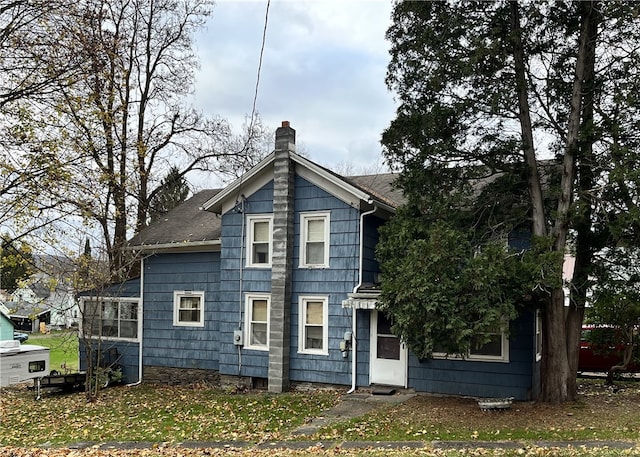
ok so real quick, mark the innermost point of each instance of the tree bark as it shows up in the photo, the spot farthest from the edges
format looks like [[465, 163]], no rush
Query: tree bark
[[556, 374], [531, 163], [586, 164], [560, 329]]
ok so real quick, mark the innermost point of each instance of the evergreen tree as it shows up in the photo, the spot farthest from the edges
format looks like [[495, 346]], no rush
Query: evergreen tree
[[173, 190], [487, 90]]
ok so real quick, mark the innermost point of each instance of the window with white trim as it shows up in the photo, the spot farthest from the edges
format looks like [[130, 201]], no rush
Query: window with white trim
[[113, 319], [538, 335], [495, 348], [314, 240], [257, 321], [313, 329], [259, 229], [188, 308]]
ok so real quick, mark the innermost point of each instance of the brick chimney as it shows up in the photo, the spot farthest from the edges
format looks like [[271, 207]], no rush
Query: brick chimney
[[282, 261]]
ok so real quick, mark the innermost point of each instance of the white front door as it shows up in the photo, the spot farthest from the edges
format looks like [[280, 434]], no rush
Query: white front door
[[388, 364]]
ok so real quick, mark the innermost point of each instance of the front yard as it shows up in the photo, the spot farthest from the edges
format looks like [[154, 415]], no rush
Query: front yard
[[171, 415]]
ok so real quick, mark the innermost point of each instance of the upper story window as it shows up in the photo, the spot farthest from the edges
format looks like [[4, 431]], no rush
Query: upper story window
[[259, 240], [257, 321], [313, 332], [188, 308], [314, 240], [115, 318]]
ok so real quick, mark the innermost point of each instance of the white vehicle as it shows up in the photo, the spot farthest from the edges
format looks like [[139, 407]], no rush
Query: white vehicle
[[22, 362]]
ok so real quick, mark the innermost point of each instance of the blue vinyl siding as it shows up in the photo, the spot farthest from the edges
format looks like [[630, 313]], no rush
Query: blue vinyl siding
[[334, 282], [167, 345], [128, 350], [371, 236], [254, 280], [483, 379]]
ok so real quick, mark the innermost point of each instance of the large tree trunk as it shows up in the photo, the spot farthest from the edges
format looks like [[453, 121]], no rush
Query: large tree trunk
[[560, 329], [528, 145], [586, 165], [558, 384]]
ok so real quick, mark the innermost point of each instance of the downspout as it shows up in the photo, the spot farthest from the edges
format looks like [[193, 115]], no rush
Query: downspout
[[241, 274], [353, 311], [140, 325]]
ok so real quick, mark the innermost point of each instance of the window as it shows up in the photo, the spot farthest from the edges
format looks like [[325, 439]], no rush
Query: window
[[257, 321], [314, 240], [37, 366], [188, 308], [313, 332], [538, 335], [259, 241], [496, 348], [117, 318]]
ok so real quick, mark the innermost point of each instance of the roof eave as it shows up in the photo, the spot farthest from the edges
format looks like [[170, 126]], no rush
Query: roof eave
[[188, 246]]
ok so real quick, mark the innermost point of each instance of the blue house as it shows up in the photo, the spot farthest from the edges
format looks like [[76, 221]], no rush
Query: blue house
[[272, 281]]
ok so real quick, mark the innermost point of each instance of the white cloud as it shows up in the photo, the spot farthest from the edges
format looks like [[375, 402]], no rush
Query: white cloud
[[323, 69]]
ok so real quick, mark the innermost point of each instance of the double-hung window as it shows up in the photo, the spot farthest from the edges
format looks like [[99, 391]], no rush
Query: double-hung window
[[188, 308], [314, 240], [257, 321], [259, 240], [112, 318], [313, 329]]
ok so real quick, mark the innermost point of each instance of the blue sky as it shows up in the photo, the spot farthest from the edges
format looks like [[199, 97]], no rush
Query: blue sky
[[323, 70]]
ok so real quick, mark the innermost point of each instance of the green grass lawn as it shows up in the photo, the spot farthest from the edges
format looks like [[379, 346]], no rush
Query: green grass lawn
[[63, 347], [174, 414]]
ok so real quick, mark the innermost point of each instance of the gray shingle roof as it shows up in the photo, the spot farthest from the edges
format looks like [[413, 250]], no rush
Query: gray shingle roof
[[380, 186], [186, 223]]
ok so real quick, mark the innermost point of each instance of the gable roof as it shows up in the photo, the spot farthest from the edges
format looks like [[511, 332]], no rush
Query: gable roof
[[4, 313], [195, 224]]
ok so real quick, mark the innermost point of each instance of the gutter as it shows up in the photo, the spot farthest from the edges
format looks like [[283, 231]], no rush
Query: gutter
[[354, 365], [180, 246]]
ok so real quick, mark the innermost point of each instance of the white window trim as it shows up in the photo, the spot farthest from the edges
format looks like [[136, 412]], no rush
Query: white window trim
[[303, 237], [538, 334], [117, 300], [248, 318], [477, 357], [504, 357], [302, 311], [177, 295], [251, 219]]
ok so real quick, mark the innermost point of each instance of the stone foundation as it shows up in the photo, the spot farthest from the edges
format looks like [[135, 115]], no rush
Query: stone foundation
[[180, 376]]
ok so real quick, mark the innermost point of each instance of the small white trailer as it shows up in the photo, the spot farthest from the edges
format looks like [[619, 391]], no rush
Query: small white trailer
[[22, 362]]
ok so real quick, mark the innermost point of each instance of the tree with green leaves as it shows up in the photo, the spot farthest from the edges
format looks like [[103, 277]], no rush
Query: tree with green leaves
[[512, 116], [16, 263]]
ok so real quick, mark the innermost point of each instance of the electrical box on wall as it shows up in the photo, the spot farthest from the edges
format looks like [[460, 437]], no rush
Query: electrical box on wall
[[238, 338]]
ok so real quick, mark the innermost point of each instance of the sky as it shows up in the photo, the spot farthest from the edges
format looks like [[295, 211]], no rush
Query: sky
[[323, 70]]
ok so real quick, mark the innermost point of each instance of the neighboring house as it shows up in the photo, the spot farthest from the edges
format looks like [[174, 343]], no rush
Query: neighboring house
[[272, 280], [6, 324], [28, 317], [43, 295]]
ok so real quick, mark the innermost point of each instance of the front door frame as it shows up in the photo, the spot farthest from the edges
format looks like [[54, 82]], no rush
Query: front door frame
[[382, 371]]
